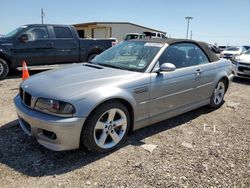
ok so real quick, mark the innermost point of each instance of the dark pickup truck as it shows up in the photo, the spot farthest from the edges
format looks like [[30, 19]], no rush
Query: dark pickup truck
[[40, 44]]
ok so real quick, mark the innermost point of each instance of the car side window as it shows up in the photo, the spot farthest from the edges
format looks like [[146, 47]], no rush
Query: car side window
[[37, 33], [201, 56], [63, 32], [174, 54], [183, 55]]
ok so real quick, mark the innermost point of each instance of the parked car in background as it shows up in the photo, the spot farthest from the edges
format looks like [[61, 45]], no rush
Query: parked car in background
[[232, 52], [247, 47], [154, 35], [130, 36], [222, 48], [127, 87], [42, 44], [215, 49], [241, 65]]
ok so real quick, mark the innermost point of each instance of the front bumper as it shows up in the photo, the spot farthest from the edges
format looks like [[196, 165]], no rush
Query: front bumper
[[241, 70], [55, 133], [227, 56]]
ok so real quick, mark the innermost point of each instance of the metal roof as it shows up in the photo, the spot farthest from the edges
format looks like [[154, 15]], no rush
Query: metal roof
[[96, 23]]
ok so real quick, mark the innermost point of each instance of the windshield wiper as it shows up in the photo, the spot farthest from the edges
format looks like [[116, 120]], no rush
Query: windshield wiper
[[111, 66]]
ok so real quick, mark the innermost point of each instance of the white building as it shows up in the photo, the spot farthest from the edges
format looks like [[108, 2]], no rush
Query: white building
[[111, 29]]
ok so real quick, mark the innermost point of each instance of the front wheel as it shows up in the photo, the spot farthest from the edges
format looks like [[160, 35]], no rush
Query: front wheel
[[217, 97], [4, 69], [106, 127]]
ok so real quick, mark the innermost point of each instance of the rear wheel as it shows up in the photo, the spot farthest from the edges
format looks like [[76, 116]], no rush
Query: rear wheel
[[106, 127], [217, 97], [4, 68]]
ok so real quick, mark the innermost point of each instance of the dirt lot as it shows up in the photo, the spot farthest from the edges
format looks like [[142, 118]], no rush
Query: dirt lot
[[202, 148]]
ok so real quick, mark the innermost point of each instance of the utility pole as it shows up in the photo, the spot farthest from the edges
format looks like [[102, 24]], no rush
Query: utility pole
[[191, 34], [42, 15], [188, 18]]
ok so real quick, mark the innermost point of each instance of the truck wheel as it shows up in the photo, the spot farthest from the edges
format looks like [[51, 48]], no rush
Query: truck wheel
[[4, 68], [106, 128], [91, 56]]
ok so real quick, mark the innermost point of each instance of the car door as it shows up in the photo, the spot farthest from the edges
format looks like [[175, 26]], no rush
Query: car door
[[67, 47], [173, 92], [38, 49], [205, 75]]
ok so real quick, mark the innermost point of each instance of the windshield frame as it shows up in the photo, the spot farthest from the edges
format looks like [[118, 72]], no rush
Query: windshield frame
[[153, 57], [15, 32]]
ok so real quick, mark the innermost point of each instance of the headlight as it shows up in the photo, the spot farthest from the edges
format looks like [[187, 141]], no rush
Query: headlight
[[234, 61], [55, 107]]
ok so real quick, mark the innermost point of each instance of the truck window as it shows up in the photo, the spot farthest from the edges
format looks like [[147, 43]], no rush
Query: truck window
[[37, 33], [63, 32], [81, 33]]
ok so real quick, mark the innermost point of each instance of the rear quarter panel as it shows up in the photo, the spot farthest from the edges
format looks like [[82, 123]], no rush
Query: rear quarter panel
[[224, 70]]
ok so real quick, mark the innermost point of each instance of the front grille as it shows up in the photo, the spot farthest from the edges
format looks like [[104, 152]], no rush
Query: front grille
[[244, 75], [242, 69], [228, 55], [25, 97], [21, 93], [247, 64]]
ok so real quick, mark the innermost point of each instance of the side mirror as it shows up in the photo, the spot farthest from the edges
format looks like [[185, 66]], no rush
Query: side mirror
[[166, 67], [23, 38]]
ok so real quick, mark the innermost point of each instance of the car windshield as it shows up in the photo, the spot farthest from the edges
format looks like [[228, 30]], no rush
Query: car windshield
[[233, 49], [247, 52], [132, 36], [14, 32], [129, 55]]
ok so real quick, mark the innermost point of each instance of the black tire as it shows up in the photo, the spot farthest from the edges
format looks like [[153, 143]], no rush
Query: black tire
[[4, 68], [91, 57], [90, 133], [216, 103]]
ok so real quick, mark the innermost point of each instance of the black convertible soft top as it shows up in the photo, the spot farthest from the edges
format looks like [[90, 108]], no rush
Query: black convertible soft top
[[204, 46]]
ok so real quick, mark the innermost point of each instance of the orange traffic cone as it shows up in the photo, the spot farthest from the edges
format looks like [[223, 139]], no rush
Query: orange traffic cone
[[25, 71]]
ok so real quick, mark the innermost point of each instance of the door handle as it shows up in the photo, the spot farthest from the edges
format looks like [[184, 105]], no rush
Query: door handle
[[198, 72]]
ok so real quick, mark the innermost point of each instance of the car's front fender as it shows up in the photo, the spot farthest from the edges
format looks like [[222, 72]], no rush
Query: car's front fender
[[94, 98]]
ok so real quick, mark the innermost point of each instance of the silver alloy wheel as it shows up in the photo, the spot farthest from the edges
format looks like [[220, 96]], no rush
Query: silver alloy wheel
[[1, 68], [219, 92], [110, 128]]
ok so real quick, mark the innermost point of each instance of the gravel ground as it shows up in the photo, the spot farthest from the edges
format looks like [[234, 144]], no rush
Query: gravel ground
[[202, 148]]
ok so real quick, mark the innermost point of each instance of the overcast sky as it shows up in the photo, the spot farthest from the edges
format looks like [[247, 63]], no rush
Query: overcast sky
[[225, 22]]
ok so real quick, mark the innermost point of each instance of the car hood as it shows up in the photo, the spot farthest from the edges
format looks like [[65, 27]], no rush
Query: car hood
[[243, 58], [66, 82], [4, 40], [230, 52]]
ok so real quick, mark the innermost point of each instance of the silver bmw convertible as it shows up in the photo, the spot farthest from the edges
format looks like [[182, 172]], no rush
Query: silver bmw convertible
[[130, 86]]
